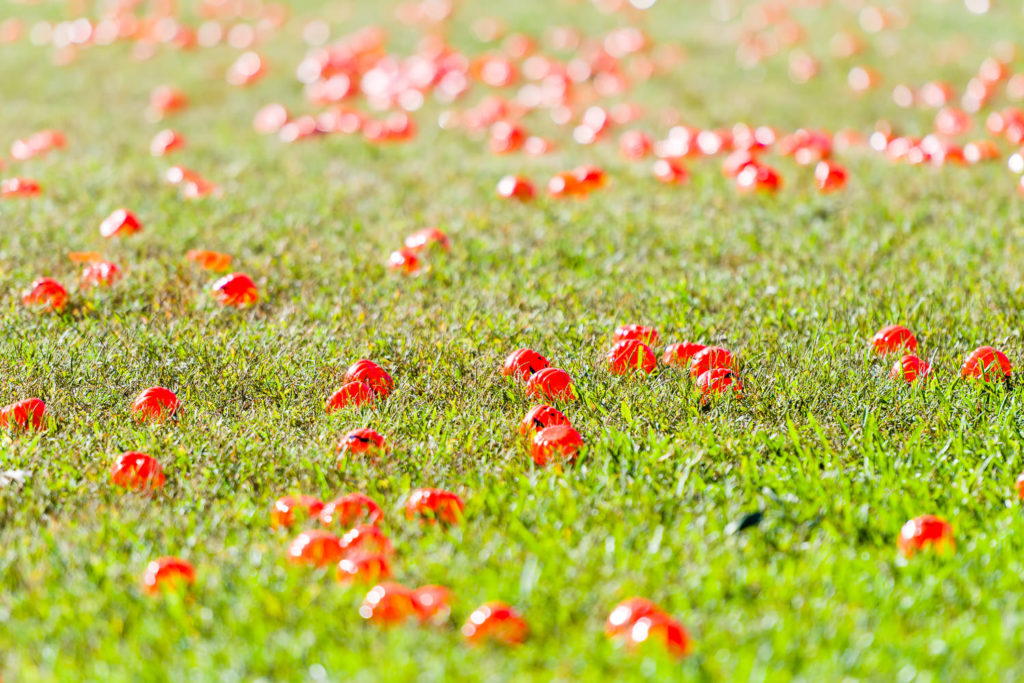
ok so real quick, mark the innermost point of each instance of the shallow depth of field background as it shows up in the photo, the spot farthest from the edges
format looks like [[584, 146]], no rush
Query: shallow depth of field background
[[835, 454]]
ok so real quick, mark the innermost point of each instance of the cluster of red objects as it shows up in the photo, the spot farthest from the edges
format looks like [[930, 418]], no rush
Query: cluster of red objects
[[985, 362], [637, 622], [365, 382], [409, 259]]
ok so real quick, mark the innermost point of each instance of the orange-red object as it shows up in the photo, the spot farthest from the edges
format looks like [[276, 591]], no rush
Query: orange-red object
[[709, 358], [552, 383], [910, 368], [156, 404], [137, 471], [561, 441], [629, 355], [364, 568], [988, 364], [433, 505], [47, 293], [926, 532], [682, 353], [315, 547], [893, 338], [285, 507], [373, 375], [495, 621], [100, 274], [516, 187], [362, 441], [349, 509], [120, 223], [167, 573], [27, 414], [523, 363], [541, 416], [351, 394]]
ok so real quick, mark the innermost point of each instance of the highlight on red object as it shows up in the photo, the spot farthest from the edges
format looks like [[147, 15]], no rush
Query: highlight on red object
[[927, 532], [425, 238], [316, 547], [27, 414], [404, 260], [372, 374], [516, 187], [434, 505], [893, 338], [565, 184], [351, 394], [638, 621], [495, 621], [349, 509], [670, 171], [46, 293], [100, 274], [986, 363], [120, 224], [156, 404], [758, 177], [363, 568], [362, 441], [682, 353], [137, 471], [236, 289], [167, 573], [522, 363], [910, 368], [551, 383], [20, 187], [282, 514], [648, 335], [431, 604], [165, 142], [830, 177], [709, 358], [540, 417], [1020, 486], [165, 100], [388, 604], [625, 614], [558, 441], [365, 538], [631, 355]]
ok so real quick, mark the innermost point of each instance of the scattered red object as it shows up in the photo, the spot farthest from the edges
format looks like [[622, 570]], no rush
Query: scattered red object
[[351, 394], [167, 573], [648, 335], [316, 547], [20, 187], [155, 404], [709, 358], [236, 289], [165, 100], [714, 382], [561, 441], [516, 187], [46, 293], [388, 604], [682, 353], [431, 603], [638, 621], [100, 274], [363, 568], [540, 417], [635, 145], [120, 224], [404, 260], [365, 538], [27, 414], [986, 363], [625, 614], [375, 376], [551, 383], [590, 177], [422, 239], [670, 172], [349, 509], [910, 368], [362, 441], [893, 338], [926, 532], [830, 177], [629, 355], [209, 260], [565, 184], [285, 507], [37, 144], [434, 505], [165, 142], [523, 363], [137, 471], [1020, 486], [495, 621], [758, 177]]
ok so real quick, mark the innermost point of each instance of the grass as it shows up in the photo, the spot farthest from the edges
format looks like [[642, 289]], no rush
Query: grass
[[835, 455]]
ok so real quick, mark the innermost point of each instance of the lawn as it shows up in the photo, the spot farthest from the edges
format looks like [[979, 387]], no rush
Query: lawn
[[834, 454]]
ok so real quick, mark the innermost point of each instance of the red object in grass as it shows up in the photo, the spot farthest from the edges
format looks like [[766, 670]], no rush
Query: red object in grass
[[682, 353], [156, 404], [349, 509], [830, 177], [758, 177], [625, 614], [630, 355], [365, 538], [670, 172], [165, 100], [565, 184], [388, 604], [363, 568], [351, 394], [236, 289], [893, 338], [209, 260], [495, 621], [167, 573], [20, 187], [316, 547], [910, 368], [27, 414], [427, 237], [404, 260], [100, 274], [362, 441], [986, 363], [540, 417], [551, 383], [561, 441], [433, 505], [590, 177], [120, 224], [506, 137], [516, 187], [375, 376], [926, 532], [431, 603], [137, 471], [648, 335], [635, 145], [270, 119], [709, 358], [165, 142], [285, 507], [661, 629], [1020, 486], [523, 363], [715, 382], [46, 293]]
